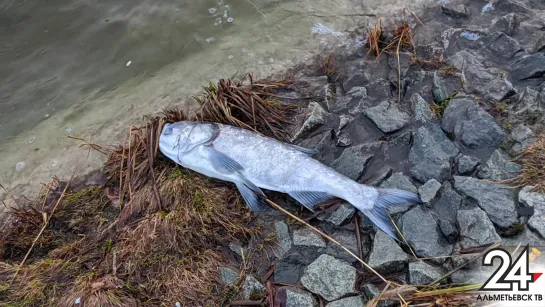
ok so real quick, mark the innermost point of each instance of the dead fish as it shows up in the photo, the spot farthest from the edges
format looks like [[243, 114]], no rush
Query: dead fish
[[254, 162]]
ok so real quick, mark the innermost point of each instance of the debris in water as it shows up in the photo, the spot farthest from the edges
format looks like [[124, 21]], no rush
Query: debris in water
[[210, 40], [54, 163], [230, 19], [47, 115], [218, 21], [320, 28], [470, 36], [19, 166], [68, 130], [178, 304], [230, 57], [78, 301], [31, 139], [271, 60], [129, 63], [212, 10]]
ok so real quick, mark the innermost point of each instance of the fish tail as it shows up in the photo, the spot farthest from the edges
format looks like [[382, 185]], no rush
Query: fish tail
[[389, 198]]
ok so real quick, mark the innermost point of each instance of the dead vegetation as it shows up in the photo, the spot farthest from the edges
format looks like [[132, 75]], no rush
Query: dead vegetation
[[151, 235], [532, 160]]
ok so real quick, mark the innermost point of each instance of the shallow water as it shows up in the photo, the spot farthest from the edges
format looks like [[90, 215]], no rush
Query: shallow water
[[92, 68]]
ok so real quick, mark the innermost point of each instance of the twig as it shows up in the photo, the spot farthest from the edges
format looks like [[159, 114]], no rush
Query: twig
[[403, 237], [43, 228], [399, 68], [358, 236]]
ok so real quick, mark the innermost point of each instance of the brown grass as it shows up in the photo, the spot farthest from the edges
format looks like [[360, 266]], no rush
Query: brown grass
[[532, 160], [151, 235]]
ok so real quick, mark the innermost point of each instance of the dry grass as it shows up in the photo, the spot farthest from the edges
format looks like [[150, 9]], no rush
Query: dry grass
[[532, 160], [151, 235]]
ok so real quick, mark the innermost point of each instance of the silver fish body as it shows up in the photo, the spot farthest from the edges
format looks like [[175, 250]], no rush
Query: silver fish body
[[254, 162]]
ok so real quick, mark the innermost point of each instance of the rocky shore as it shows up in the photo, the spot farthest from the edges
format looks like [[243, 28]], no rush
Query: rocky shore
[[472, 99]]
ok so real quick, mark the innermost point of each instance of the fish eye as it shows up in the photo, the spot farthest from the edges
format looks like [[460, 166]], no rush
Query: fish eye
[[168, 131]]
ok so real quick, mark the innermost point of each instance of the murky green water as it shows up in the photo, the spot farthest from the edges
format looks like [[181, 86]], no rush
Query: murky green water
[[90, 68]]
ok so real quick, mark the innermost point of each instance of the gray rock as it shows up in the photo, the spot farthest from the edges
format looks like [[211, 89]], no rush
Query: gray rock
[[523, 136], [386, 256], [237, 248], [343, 139], [330, 278], [370, 291], [428, 190], [421, 273], [467, 164], [530, 106], [387, 116], [470, 124], [495, 199], [439, 92], [291, 267], [399, 181], [449, 231], [299, 298], [537, 201], [431, 154], [449, 203], [307, 237], [507, 24], [498, 167], [422, 233], [356, 80], [344, 120], [353, 160], [379, 176], [340, 103], [476, 229], [421, 109], [498, 89], [380, 88], [503, 47], [473, 276], [348, 239], [283, 237], [353, 301], [315, 119], [527, 236], [228, 276], [455, 10], [342, 215], [532, 66], [358, 92], [251, 286]]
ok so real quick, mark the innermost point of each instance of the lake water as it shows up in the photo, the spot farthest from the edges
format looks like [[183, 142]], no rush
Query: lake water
[[91, 68]]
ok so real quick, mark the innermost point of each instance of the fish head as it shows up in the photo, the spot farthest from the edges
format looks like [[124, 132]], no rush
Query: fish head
[[174, 138]]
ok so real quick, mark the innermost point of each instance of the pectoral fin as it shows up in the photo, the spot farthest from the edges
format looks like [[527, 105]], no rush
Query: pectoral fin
[[251, 198], [224, 164], [308, 151], [310, 199]]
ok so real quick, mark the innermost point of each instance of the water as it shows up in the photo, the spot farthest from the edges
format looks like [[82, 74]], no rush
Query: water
[[91, 68]]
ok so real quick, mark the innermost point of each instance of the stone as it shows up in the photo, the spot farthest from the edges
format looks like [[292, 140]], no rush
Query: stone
[[530, 106], [370, 291], [343, 139], [387, 116], [348, 239], [471, 124], [529, 67], [439, 92], [379, 176], [431, 154], [330, 278], [422, 233], [251, 286], [228, 276], [455, 10], [358, 92], [299, 298], [290, 268], [421, 273], [522, 136], [476, 229], [315, 84], [307, 237], [315, 119], [421, 109], [449, 203], [503, 47], [428, 190], [498, 167], [236, 248], [353, 301], [474, 276], [527, 236], [283, 238], [467, 164], [342, 215], [380, 88], [537, 201], [497, 200], [399, 181], [353, 160], [386, 256], [498, 90], [356, 80], [449, 231], [507, 24], [344, 120]]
